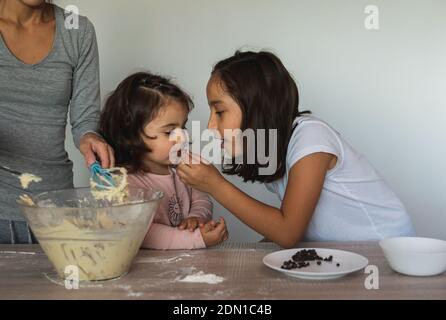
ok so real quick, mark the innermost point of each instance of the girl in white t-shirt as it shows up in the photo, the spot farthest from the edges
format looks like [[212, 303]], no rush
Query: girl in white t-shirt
[[328, 191]]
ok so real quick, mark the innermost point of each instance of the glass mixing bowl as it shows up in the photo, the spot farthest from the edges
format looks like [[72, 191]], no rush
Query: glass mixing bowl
[[98, 239]]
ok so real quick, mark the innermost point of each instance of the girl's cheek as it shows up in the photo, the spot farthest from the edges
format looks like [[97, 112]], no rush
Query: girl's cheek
[[157, 150], [149, 146], [237, 144]]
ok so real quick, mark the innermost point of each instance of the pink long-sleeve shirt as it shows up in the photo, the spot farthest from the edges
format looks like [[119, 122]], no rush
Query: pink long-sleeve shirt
[[179, 202]]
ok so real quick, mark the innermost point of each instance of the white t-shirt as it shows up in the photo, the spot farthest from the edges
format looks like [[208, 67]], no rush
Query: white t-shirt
[[355, 204]]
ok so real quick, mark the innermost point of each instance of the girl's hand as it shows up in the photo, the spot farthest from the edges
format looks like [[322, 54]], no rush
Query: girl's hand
[[191, 223], [200, 176], [214, 233]]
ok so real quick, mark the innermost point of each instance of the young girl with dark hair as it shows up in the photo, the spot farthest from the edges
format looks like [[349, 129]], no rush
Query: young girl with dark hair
[[139, 120], [328, 190]]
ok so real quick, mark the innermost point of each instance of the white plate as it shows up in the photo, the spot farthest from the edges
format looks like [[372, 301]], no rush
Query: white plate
[[349, 262]]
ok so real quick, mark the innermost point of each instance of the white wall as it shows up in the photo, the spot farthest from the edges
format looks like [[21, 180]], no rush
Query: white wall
[[384, 90]]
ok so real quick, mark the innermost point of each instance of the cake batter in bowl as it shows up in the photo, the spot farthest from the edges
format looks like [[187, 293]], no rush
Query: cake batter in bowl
[[99, 237]]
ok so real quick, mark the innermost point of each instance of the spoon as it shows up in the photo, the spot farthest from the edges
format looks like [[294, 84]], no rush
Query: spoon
[[13, 172]]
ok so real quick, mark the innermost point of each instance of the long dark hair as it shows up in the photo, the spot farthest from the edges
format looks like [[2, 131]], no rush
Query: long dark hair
[[136, 101], [269, 99]]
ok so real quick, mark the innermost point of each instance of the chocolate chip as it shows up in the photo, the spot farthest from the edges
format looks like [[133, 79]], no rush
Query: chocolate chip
[[301, 259], [306, 255]]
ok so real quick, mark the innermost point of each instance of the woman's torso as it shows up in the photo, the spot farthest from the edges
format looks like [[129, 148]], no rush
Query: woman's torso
[[34, 102]]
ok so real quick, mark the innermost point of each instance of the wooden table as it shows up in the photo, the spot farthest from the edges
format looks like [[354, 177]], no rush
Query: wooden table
[[26, 273]]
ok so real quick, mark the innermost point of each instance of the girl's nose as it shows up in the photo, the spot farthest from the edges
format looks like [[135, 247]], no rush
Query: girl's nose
[[183, 137], [211, 123], [179, 136]]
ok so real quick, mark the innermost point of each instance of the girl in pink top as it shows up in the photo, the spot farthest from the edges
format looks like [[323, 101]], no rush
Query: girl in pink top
[[139, 120]]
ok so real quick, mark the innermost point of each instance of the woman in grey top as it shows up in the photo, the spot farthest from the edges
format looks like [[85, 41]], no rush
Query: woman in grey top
[[46, 69]]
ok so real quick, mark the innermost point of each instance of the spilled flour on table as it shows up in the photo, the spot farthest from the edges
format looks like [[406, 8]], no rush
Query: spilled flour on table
[[128, 289], [134, 294], [160, 260], [16, 252], [201, 277], [54, 278]]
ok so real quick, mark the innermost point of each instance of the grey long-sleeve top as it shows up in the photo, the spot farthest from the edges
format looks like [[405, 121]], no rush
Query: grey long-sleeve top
[[34, 103]]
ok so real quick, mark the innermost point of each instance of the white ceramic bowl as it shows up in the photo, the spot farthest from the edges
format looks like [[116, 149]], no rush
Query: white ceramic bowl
[[415, 256]]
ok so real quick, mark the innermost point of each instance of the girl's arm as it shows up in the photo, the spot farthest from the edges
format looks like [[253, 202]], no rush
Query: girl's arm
[[201, 206], [162, 237], [285, 226]]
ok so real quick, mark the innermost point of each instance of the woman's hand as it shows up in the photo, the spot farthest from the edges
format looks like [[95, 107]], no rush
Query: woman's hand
[[91, 145], [200, 176]]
